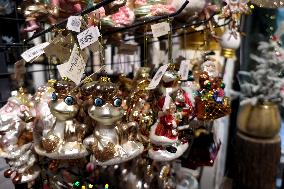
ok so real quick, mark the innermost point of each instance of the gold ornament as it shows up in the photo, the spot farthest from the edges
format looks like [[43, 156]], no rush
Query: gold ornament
[[106, 154], [50, 143]]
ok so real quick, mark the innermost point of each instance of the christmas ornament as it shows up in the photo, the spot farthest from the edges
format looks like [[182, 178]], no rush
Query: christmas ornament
[[211, 102], [64, 139], [175, 110], [124, 17], [16, 138], [113, 7], [235, 8], [152, 8], [230, 42], [111, 142], [193, 8], [140, 107], [203, 151], [44, 118], [36, 11], [66, 8]]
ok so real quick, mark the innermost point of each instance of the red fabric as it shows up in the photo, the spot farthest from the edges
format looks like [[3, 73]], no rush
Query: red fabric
[[161, 102], [164, 128]]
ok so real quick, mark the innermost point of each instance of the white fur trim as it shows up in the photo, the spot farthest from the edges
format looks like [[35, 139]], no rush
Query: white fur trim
[[160, 140], [164, 155]]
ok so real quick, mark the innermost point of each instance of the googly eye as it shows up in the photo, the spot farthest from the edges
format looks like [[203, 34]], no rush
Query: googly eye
[[54, 96], [69, 100], [98, 101], [117, 102]]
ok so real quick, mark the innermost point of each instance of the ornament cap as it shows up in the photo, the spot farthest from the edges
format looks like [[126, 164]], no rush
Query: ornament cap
[[228, 53]]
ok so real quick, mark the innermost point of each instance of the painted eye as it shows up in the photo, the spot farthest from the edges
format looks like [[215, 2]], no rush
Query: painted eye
[[53, 96], [117, 102], [98, 101], [69, 100]]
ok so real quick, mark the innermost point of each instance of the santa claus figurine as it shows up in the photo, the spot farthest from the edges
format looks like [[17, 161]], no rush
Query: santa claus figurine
[[175, 109]]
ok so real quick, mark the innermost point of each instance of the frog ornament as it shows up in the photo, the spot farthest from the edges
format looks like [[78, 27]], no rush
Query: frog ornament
[[112, 142], [175, 110], [65, 138]]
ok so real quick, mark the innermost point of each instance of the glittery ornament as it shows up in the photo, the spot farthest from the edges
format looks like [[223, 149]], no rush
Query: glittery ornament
[[211, 102], [111, 143], [140, 108], [175, 109], [63, 139]]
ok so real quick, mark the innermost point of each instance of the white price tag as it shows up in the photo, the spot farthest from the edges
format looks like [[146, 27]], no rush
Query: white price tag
[[74, 68], [74, 23], [34, 52], [88, 36], [158, 76], [184, 69], [160, 29], [167, 102]]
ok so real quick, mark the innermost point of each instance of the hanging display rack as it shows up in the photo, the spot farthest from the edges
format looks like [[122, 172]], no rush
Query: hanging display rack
[[86, 11]]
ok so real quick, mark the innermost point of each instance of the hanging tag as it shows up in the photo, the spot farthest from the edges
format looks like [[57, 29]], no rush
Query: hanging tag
[[158, 76], [74, 68], [184, 69], [34, 52], [160, 29], [167, 102], [88, 36], [74, 23]]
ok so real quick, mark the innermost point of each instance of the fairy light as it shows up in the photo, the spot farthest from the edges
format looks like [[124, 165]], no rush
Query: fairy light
[[76, 184], [106, 186]]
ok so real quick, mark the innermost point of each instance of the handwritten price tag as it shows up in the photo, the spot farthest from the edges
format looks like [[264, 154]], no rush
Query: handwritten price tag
[[158, 76], [184, 69], [88, 37], [34, 52], [74, 23], [74, 68], [160, 29]]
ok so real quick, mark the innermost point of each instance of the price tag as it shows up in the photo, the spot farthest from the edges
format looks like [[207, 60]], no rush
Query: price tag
[[88, 36], [184, 69], [160, 29], [167, 102], [74, 68], [34, 52], [74, 23], [158, 76]]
